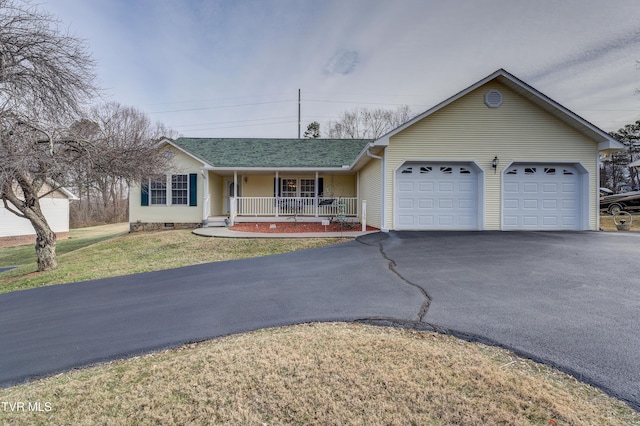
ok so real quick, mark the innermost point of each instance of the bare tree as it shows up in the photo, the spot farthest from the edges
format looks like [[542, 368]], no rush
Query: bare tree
[[46, 79], [128, 145], [629, 135], [363, 123]]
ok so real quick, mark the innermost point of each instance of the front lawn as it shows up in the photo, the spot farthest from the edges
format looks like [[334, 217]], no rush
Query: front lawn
[[90, 254], [320, 374]]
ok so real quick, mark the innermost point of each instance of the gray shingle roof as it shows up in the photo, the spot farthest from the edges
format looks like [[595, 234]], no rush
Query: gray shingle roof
[[274, 153]]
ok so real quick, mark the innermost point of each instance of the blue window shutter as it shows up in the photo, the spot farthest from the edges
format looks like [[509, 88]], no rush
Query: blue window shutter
[[144, 194], [320, 187], [193, 189]]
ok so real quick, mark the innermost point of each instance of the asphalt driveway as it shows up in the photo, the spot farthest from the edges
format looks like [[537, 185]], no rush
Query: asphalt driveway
[[57, 328], [571, 300]]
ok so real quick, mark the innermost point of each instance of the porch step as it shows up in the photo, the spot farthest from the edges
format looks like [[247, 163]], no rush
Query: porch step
[[217, 221]]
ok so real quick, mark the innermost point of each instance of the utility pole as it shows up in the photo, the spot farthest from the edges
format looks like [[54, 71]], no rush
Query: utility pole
[[298, 113]]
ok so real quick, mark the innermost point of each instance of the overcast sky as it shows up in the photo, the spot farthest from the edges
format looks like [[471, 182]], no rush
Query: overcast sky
[[232, 68]]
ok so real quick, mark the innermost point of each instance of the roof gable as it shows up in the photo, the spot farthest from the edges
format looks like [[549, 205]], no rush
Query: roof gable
[[603, 139], [273, 153]]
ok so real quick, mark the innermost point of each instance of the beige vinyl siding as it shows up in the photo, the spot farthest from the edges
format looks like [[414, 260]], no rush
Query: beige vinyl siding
[[335, 185], [517, 131], [339, 185], [371, 191], [182, 164], [258, 185]]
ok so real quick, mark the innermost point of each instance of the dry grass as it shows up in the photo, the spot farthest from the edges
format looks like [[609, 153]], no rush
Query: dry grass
[[606, 223], [144, 252], [320, 374]]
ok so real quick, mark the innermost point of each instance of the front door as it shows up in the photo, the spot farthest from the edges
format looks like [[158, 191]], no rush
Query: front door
[[229, 186]]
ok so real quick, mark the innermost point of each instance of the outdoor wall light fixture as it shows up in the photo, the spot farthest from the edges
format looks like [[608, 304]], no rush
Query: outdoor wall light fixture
[[494, 163], [246, 179]]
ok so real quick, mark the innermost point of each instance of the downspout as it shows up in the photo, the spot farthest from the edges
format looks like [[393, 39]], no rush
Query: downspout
[[383, 185], [206, 202], [597, 203]]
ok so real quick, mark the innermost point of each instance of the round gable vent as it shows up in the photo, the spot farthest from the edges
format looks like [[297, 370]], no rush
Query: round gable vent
[[493, 99]]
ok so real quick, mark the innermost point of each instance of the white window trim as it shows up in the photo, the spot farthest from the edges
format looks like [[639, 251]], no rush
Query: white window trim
[[187, 189], [151, 189], [169, 191], [298, 186]]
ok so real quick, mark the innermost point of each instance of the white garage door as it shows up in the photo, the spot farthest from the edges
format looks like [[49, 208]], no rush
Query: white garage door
[[436, 196], [542, 197]]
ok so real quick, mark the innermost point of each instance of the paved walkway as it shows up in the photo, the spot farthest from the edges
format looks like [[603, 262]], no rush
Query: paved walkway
[[224, 232]]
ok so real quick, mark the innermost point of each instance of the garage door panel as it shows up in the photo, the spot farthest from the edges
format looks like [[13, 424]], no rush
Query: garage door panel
[[425, 203], [425, 187], [466, 220], [406, 220], [510, 204], [511, 220], [511, 187], [445, 203], [569, 221], [425, 220], [467, 187], [541, 197], [405, 187], [445, 220], [445, 186], [444, 197], [405, 203], [467, 204], [550, 204]]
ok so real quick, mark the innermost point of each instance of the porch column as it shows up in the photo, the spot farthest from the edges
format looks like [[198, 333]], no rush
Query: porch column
[[206, 202], [358, 213], [316, 194], [235, 183], [234, 199], [277, 191]]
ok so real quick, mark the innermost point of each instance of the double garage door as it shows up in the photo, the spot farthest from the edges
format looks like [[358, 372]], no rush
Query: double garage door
[[445, 196]]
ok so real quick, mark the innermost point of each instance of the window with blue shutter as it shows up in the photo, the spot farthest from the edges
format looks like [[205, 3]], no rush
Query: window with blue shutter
[[193, 189], [144, 194]]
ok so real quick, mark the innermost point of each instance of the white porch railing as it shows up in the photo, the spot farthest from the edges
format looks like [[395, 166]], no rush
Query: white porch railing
[[297, 206]]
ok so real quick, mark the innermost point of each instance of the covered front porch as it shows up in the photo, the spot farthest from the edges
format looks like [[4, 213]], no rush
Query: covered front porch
[[256, 196]]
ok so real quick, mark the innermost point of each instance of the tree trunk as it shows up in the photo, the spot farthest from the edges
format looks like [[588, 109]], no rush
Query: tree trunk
[[29, 208], [45, 237], [45, 248]]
